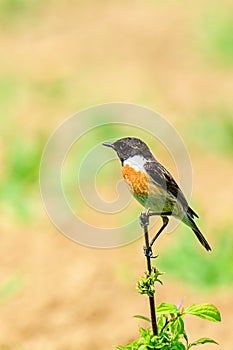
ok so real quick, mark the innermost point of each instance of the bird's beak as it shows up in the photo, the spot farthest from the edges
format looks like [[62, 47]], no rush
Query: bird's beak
[[108, 144]]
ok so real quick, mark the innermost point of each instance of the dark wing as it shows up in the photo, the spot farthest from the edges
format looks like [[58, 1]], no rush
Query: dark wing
[[165, 180]]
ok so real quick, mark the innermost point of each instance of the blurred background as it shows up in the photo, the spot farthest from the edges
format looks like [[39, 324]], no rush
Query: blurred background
[[58, 57]]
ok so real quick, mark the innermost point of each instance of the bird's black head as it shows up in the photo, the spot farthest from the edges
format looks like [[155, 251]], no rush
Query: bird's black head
[[128, 147]]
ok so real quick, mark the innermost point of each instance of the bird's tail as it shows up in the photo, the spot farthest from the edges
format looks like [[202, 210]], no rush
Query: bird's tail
[[187, 219]]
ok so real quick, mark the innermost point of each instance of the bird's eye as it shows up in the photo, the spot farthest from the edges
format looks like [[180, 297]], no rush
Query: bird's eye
[[123, 144]]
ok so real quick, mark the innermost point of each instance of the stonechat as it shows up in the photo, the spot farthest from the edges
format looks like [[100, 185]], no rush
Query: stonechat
[[153, 186]]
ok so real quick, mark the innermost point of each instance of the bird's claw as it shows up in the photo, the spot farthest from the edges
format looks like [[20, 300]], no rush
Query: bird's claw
[[144, 218], [148, 253]]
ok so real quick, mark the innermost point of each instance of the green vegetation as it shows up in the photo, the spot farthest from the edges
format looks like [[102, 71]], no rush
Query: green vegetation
[[216, 35], [11, 286], [171, 332], [13, 12], [167, 325], [203, 270], [213, 132], [20, 179]]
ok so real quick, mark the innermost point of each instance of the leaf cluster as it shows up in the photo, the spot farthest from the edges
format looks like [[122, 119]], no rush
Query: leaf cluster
[[146, 283], [171, 330]]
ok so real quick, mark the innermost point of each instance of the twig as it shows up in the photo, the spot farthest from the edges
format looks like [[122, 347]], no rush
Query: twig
[[144, 221]]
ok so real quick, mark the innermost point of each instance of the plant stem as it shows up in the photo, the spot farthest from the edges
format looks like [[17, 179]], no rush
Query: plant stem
[[151, 299]]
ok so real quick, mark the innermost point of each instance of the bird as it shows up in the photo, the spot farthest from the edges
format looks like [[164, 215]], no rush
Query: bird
[[153, 186]]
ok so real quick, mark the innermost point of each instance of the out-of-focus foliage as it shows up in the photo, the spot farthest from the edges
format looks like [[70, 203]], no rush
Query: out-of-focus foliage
[[11, 286], [204, 270], [216, 35], [213, 132], [19, 183], [14, 12]]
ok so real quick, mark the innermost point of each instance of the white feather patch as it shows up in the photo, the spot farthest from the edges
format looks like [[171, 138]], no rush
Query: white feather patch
[[136, 162]]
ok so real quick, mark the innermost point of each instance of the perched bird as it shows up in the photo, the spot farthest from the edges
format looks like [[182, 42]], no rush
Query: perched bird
[[153, 186]]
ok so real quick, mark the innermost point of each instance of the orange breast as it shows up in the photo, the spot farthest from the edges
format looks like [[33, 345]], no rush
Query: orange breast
[[137, 180]]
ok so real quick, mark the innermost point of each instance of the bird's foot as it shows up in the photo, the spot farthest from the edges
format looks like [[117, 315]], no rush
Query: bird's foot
[[148, 253], [144, 218]]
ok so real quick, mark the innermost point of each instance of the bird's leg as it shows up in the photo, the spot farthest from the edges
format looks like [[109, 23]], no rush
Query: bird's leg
[[144, 221], [165, 222], [145, 215]]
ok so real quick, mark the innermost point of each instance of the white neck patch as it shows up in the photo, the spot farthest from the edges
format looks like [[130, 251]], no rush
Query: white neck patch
[[136, 162]]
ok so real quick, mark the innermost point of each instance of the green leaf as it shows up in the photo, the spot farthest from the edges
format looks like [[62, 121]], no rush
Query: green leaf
[[142, 331], [159, 281], [177, 328], [203, 341], [179, 346], [206, 311], [166, 308], [143, 318]]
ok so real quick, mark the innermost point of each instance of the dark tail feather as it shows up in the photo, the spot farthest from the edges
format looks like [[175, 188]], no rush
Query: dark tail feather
[[189, 221], [192, 213]]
